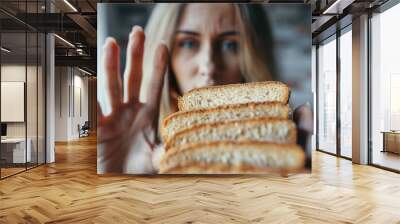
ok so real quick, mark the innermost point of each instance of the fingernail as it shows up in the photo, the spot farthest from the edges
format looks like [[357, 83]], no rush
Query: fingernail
[[108, 41], [137, 28]]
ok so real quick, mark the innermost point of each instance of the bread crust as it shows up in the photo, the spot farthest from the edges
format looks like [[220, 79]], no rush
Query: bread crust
[[167, 120], [182, 105], [174, 151], [220, 169], [291, 138], [203, 167]]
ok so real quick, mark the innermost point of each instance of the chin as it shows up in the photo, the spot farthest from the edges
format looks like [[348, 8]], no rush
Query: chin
[[198, 86], [205, 85]]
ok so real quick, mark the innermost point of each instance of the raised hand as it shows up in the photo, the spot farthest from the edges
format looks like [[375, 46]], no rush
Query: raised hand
[[124, 130]]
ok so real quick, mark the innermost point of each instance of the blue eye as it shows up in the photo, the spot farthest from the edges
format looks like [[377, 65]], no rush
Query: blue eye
[[188, 44], [229, 46]]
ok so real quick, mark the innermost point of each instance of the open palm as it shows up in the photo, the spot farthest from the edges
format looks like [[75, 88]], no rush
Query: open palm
[[123, 130]]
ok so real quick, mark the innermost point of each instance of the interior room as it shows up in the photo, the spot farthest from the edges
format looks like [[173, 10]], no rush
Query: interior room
[[49, 103]]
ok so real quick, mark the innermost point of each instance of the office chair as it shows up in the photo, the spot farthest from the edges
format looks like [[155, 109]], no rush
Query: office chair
[[84, 130]]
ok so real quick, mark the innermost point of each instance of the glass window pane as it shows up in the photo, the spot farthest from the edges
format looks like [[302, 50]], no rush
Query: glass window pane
[[31, 97], [346, 94], [13, 86], [385, 114], [327, 97], [32, 86]]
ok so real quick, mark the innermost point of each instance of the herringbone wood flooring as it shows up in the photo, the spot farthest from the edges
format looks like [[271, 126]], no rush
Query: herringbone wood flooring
[[70, 191]]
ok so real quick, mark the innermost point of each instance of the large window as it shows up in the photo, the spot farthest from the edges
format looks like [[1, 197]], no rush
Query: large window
[[334, 58], [327, 96], [385, 88]]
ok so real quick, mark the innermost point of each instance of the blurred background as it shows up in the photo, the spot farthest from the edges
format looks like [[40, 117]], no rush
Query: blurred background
[[291, 32]]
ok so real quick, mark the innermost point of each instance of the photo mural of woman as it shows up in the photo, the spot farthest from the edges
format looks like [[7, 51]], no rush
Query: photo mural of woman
[[182, 47]]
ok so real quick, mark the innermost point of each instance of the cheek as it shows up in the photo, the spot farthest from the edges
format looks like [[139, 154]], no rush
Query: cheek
[[184, 70]]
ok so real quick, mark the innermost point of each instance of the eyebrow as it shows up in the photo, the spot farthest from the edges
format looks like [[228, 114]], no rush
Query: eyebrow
[[226, 33]]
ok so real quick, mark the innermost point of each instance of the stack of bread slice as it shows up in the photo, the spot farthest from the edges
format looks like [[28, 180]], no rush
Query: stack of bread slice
[[237, 128]]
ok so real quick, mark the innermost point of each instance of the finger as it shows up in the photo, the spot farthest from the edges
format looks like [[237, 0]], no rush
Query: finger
[[100, 115], [303, 118], [157, 79], [134, 65], [99, 110], [111, 67]]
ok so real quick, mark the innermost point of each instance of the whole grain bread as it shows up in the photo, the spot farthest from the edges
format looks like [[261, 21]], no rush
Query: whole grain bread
[[183, 120], [233, 157], [214, 96], [275, 130]]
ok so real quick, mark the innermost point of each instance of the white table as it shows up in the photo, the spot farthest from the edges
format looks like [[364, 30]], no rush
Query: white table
[[17, 147]]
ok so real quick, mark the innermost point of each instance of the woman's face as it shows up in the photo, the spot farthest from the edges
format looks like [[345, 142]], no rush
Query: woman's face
[[206, 46]]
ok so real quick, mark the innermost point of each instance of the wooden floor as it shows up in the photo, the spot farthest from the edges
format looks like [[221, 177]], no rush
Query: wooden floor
[[70, 191], [10, 171], [5, 172]]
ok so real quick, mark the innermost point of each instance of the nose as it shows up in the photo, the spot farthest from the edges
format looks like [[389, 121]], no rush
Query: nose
[[207, 65]]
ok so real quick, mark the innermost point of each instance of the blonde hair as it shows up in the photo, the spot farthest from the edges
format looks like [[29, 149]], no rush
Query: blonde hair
[[161, 28]]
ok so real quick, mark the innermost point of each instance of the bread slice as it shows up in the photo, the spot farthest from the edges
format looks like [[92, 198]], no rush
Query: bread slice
[[186, 119], [214, 96], [233, 158], [261, 129]]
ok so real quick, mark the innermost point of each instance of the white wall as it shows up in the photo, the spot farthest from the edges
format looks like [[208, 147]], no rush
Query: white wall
[[16, 73], [61, 104], [71, 93], [12, 73], [80, 94]]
